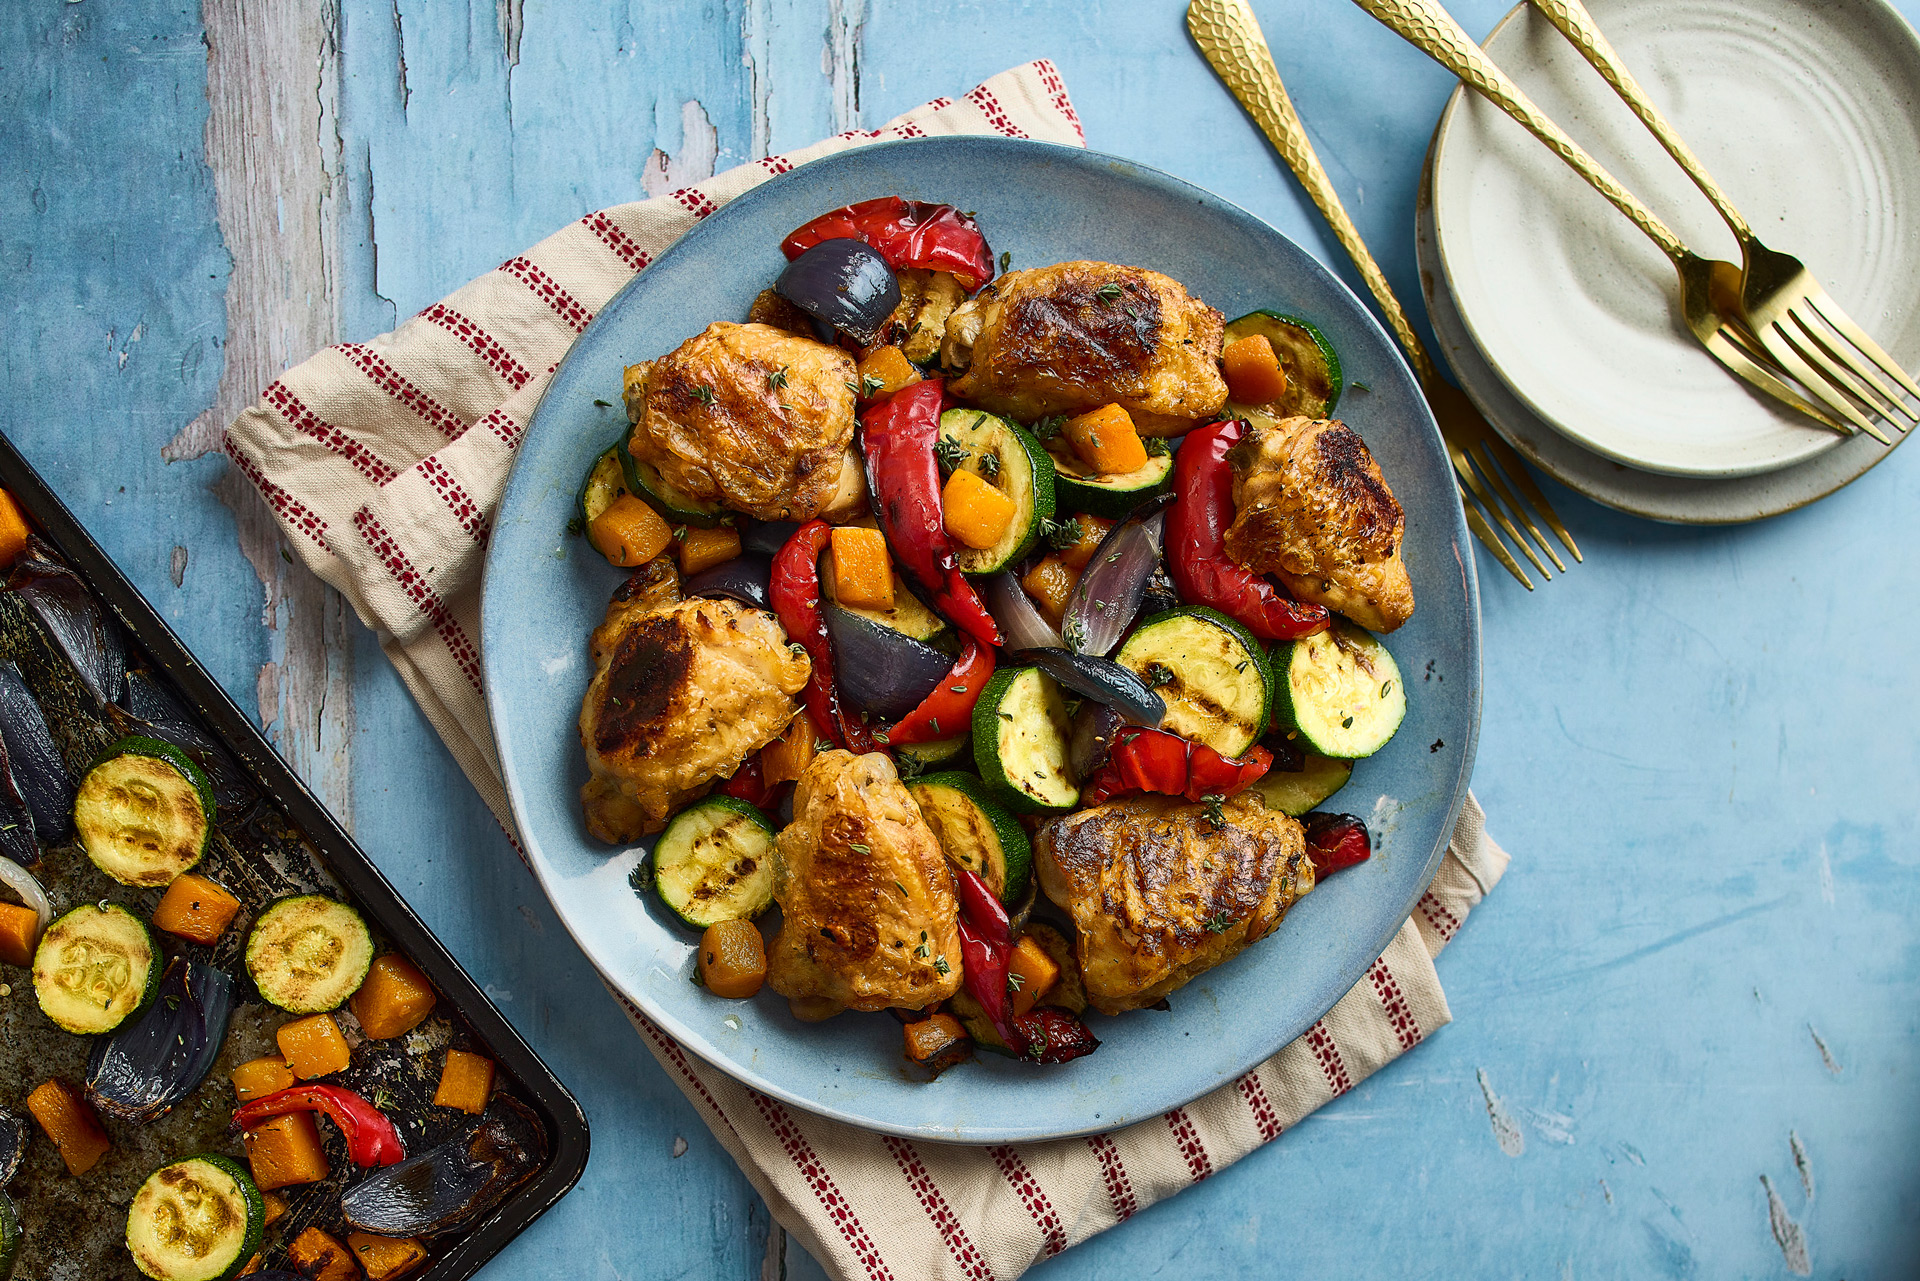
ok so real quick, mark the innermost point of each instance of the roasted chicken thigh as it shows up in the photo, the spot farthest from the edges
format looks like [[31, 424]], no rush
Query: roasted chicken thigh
[[1312, 509], [869, 917], [1160, 893], [1078, 335], [753, 417], [683, 691]]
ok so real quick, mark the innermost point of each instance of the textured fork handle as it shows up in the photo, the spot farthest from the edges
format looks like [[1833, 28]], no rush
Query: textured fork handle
[[1229, 36], [1578, 26], [1431, 29]]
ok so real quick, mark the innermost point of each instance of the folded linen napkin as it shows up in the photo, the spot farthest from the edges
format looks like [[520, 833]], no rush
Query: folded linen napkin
[[384, 462]]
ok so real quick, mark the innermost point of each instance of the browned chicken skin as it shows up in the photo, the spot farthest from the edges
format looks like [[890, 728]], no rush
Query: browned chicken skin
[[869, 914], [752, 417], [1159, 894], [683, 691], [1313, 510], [1078, 335]]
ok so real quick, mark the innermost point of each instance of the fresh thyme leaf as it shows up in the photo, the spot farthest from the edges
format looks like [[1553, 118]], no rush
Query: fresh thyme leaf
[[778, 378], [576, 526], [870, 383], [1158, 674], [1049, 427], [1216, 815], [1060, 534], [941, 967], [990, 466], [1015, 982], [604, 404], [859, 848], [703, 394], [1006, 259], [1108, 292], [903, 890], [1219, 924], [950, 453]]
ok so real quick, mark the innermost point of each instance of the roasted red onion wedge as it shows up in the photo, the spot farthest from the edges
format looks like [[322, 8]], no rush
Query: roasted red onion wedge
[[843, 284], [1108, 595], [141, 1071], [744, 578], [879, 671], [39, 774], [447, 1186], [1102, 680], [90, 640], [1019, 618]]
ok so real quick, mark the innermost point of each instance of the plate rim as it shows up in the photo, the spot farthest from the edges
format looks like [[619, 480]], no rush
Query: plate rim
[[1430, 197], [1144, 1107]]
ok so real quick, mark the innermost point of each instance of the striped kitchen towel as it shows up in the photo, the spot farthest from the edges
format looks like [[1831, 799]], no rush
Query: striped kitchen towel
[[384, 462]]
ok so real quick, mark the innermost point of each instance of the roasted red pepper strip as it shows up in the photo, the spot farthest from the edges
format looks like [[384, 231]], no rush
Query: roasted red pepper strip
[[1044, 1035], [897, 435], [949, 709], [979, 906], [795, 594], [907, 233], [1152, 760], [1049, 1034], [1335, 841], [749, 784], [371, 1138], [1197, 543]]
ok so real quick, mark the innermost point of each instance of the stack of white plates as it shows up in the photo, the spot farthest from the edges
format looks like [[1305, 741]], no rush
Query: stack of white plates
[[1561, 320]]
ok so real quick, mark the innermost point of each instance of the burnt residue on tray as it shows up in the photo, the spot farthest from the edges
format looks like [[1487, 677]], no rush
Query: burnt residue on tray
[[92, 686]]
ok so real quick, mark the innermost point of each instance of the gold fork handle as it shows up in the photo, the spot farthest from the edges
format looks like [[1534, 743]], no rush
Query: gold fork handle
[[1431, 29], [1578, 26], [1230, 38]]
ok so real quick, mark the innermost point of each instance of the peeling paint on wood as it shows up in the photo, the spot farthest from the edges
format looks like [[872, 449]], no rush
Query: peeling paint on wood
[[1800, 1163], [1826, 1055], [846, 29], [1786, 1233], [1506, 1131], [699, 149], [177, 565]]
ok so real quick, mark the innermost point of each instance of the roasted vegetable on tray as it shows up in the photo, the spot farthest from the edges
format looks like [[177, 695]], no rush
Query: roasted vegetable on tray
[[1041, 646]]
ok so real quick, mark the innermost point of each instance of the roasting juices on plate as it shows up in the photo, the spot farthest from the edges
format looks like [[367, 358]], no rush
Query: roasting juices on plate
[[1003, 628]]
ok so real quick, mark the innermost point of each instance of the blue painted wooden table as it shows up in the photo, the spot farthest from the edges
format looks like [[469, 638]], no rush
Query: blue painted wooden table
[[1693, 996]]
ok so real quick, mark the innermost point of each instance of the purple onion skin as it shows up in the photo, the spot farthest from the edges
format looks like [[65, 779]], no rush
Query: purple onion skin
[[79, 627], [879, 671], [1019, 618], [39, 774], [1107, 597], [842, 283], [1094, 726], [444, 1187], [767, 537], [1100, 679], [140, 1072], [744, 578]]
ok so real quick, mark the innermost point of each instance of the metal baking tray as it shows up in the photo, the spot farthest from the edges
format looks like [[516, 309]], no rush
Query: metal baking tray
[[281, 840]]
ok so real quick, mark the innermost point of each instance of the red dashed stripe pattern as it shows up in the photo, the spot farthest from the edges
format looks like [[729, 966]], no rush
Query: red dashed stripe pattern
[[480, 342], [1113, 1172], [776, 165], [501, 424], [1057, 94], [548, 291], [1394, 1002], [982, 97], [838, 1209], [1033, 1196], [1264, 1119], [959, 1244], [1320, 1041], [1187, 1139], [617, 240], [292, 512], [421, 593], [310, 424], [695, 201], [1445, 923], [389, 380], [454, 495]]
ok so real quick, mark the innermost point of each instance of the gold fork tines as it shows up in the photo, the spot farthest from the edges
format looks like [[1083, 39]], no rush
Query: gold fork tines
[[1486, 470], [1783, 304]]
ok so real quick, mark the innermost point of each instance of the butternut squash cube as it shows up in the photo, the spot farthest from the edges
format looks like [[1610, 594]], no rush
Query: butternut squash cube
[[1106, 441], [629, 533], [196, 909], [257, 1078], [976, 513], [386, 1257], [1051, 584], [273, 1207], [19, 931], [13, 530], [700, 549], [1088, 531], [787, 757], [393, 1000], [1035, 971], [466, 1082], [862, 570], [71, 1123], [321, 1257], [313, 1046], [285, 1151], [1254, 374], [883, 371]]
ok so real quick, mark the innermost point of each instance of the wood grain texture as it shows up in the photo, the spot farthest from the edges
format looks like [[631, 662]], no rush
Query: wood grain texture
[[1700, 970]]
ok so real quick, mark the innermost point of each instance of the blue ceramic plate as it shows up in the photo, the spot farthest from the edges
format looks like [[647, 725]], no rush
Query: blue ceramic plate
[[545, 590]]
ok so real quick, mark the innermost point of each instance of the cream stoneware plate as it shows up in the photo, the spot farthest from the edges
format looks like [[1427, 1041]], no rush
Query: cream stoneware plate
[[1807, 112], [546, 589], [1679, 500]]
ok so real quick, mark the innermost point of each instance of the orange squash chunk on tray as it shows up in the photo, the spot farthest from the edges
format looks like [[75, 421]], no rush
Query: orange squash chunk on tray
[[394, 999], [313, 1046], [466, 1082], [196, 909], [257, 1078], [386, 1257], [884, 371], [322, 1257], [1036, 970], [19, 927], [13, 530], [70, 1121], [700, 549], [285, 1151]]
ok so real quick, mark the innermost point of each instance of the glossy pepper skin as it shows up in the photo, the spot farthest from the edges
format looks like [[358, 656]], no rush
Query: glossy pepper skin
[[1044, 1034], [371, 1138], [749, 784], [794, 592], [1335, 841], [897, 436], [907, 233], [1197, 556], [951, 703], [1152, 760]]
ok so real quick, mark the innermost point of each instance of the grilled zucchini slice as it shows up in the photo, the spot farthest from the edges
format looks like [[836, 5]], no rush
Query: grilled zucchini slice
[[308, 953], [917, 758], [645, 482], [714, 862], [1313, 370], [606, 480], [975, 833], [95, 968], [196, 1220], [1339, 690], [1075, 489], [1211, 672], [1298, 791], [144, 812], [1020, 732], [1013, 462]]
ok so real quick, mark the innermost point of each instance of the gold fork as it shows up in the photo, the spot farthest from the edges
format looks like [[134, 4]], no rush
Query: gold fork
[[1709, 296], [1782, 302], [1229, 36]]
